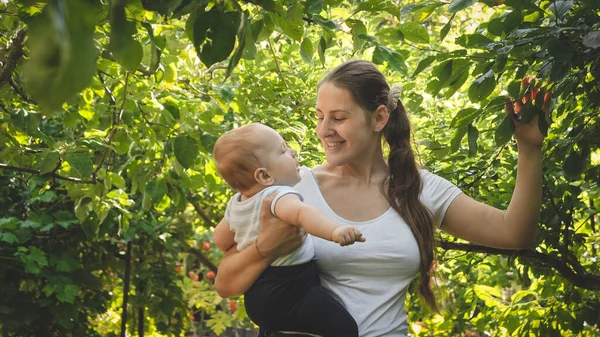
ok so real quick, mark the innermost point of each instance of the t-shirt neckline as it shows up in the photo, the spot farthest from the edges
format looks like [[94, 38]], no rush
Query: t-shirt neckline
[[338, 217]]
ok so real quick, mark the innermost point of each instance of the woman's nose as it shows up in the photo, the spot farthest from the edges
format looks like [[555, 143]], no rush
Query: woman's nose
[[323, 129]]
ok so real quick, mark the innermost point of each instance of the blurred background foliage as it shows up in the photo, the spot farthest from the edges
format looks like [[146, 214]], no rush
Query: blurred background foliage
[[109, 111]]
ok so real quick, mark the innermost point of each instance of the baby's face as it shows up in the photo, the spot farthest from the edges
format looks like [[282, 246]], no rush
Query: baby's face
[[279, 159]]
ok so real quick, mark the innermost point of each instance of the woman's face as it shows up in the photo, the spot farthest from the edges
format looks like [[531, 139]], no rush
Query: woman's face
[[343, 127]]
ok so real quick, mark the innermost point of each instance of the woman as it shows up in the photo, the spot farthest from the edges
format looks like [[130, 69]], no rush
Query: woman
[[392, 202]]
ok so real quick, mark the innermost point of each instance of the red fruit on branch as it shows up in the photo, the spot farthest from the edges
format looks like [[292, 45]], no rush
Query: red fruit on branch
[[205, 245], [210, 275], [232, 306]]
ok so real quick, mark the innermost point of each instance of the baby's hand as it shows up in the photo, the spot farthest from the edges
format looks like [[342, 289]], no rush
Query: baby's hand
[[346, 235]]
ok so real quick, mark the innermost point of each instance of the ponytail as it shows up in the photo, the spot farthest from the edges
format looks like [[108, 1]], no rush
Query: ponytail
[[404, 188]]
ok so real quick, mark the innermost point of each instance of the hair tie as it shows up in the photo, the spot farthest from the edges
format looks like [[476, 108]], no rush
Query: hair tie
[[394, 96]]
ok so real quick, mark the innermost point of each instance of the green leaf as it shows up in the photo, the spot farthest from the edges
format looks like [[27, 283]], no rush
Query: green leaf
[[163, 7], [395, 59], [326, 23], [292, 24], [504, 131], [306, 50], [473, 134], [464, 117], [446, 28], [121, 142], [9, 238], [242, 42], [358, 29], [423, 64], [38, 256], [67, 294], [186, 150], [156, 189], [266, 4], [574, 164], [80, 162], [62, 52], [313, 6], [592, 40], [49, 162], [560, 7], [377, 6], [482, 87], [459, 5], [414, 32], [222, 33], [321, 49], [491, 296], [474, 41], [127, 51], [457, 138], [155, 52]]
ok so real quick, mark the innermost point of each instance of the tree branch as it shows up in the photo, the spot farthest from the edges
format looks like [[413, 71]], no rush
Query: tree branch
[[580, 279], [49, 174], [200, 211], [203, 259], [16, 52]]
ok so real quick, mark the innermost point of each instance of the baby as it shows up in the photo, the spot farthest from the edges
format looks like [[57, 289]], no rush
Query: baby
[[255, 161]]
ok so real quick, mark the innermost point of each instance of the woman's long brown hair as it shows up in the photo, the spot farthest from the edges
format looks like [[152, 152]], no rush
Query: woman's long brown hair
[[369, 88]]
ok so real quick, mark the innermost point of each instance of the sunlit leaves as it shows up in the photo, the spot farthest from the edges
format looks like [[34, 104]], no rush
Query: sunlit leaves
[[62, 52], [127, 51], [213, 34], [459, 5], [482, 87], [504, 131], [414, 32], [80, 162], [306, 50], [186, 150]]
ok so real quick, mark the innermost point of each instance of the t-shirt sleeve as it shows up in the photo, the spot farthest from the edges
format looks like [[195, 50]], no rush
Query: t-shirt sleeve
[[227, 215], [284, 190], [437, 195]]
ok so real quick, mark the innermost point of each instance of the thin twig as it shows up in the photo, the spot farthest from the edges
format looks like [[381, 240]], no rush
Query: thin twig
[[49, 174], [277, 64]]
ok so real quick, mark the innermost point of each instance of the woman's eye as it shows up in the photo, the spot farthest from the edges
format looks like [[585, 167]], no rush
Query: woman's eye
[[338, 119]]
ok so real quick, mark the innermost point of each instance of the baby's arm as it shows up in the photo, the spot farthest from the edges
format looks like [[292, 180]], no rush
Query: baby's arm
[[223, 236], [292, 210]]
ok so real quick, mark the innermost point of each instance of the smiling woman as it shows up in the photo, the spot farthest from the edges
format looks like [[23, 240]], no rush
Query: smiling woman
[[393, 203]]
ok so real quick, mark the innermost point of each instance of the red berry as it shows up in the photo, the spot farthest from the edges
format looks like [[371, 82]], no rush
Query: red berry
[[210, 275], [193, 276], [192, 317], [205, 245], [177, 269], [232, 306]]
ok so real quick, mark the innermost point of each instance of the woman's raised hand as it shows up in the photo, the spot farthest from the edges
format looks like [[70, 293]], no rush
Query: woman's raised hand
[[527, 129], [276, 238]]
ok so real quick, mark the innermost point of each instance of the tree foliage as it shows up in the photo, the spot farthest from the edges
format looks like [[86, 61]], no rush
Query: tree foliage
[[110, 110]]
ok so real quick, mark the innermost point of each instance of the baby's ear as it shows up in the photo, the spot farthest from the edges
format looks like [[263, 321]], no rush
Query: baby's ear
[[262, 176]]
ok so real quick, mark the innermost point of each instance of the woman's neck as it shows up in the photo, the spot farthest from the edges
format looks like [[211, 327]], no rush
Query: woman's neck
[[366, 171]]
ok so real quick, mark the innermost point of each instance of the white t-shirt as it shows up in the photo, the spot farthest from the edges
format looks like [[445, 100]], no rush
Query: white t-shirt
[[243, 217], [370, 279]]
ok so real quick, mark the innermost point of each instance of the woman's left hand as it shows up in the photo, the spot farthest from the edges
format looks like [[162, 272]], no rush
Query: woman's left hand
[[528, 134]]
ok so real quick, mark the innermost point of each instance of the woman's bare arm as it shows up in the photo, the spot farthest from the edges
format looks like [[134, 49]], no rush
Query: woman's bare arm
[[240, 269]]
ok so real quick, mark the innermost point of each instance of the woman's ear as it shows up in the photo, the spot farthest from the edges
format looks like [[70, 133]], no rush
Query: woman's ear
[[380, 118], [262, 176]]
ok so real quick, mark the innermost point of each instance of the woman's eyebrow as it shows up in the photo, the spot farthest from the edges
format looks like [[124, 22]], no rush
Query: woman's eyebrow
[[334, 110]]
